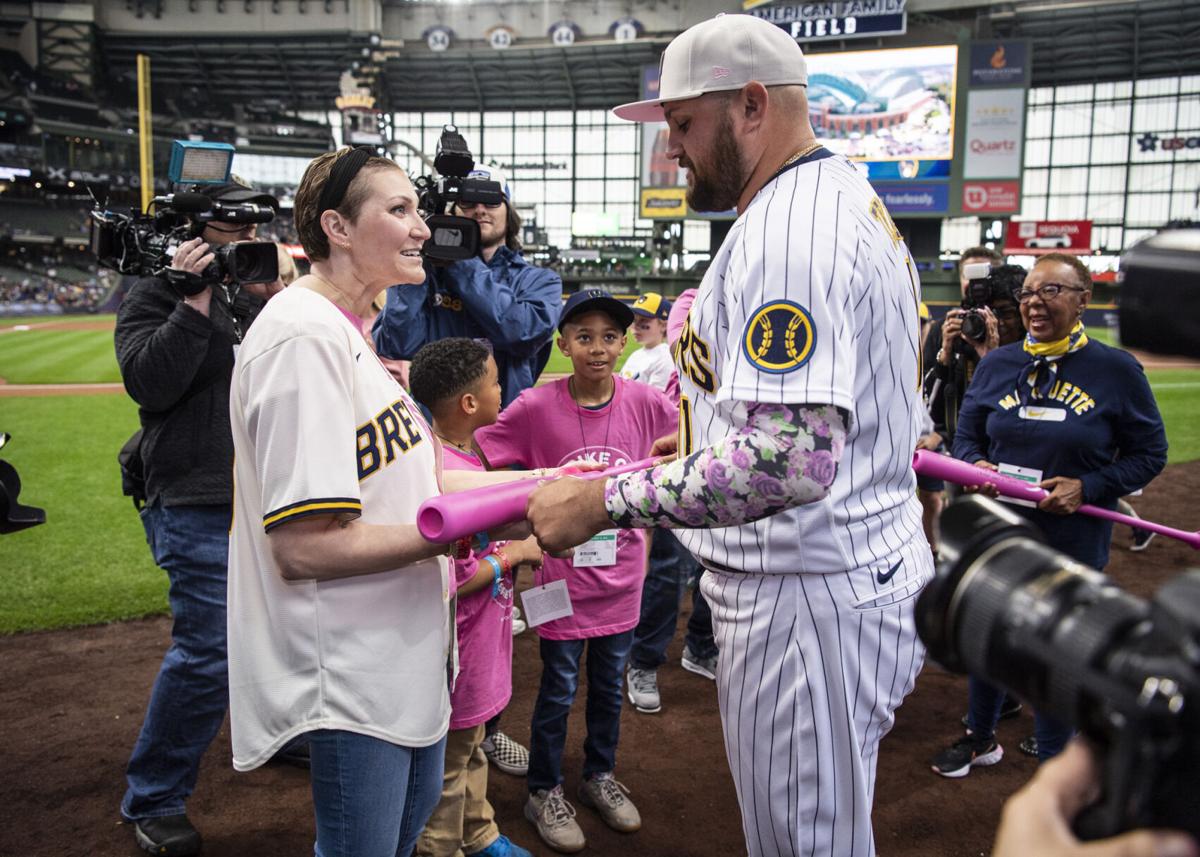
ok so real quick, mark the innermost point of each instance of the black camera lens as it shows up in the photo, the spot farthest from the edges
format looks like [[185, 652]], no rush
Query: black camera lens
[[245, 262], [974, 325], [1012, 611]]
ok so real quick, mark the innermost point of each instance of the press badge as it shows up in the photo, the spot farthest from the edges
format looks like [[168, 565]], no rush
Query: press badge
[[1022, 474], [599, 550]]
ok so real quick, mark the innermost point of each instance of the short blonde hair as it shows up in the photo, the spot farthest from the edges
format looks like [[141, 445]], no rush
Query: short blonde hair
[[306, 210]]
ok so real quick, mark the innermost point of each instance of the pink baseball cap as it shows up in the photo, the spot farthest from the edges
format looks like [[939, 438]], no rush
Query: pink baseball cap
[[718, 55]]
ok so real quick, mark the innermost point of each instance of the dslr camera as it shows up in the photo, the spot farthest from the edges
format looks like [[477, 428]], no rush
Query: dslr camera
[[986, 285], [453, 238], [1006, 607], [142, 244]]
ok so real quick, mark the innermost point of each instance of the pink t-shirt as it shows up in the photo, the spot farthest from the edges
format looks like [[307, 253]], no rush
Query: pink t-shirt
[[484, 624], [544, 427]]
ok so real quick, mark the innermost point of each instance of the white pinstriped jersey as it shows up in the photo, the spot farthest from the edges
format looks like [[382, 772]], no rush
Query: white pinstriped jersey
[[811, 299]]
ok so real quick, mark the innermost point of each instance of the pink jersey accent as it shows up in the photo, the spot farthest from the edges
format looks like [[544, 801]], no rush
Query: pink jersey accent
[[678, 316], [484, 624], [544, 427]]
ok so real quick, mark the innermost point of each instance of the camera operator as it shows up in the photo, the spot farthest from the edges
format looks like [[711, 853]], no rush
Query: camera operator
[[176, 355], [1073, 415], [497, 296]]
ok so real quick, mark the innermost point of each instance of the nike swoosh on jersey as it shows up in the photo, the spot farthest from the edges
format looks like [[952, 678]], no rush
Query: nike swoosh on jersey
[[884, 578]]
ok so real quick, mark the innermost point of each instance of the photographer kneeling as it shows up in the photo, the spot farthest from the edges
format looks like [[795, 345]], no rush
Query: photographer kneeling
[[176, 353]]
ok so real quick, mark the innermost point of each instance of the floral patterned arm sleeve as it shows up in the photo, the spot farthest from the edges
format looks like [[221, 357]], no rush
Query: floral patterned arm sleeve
[[785, 456]]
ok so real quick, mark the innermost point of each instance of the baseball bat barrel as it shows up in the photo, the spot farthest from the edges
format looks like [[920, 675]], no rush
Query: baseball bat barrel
[[950, 469], [448, 517]]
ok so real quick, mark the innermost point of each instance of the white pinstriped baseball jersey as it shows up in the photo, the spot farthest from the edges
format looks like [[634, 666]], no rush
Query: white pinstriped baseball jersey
[[811, 299]]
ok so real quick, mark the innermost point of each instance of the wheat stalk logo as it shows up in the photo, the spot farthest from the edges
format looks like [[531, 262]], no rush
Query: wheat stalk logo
[[768, 334]]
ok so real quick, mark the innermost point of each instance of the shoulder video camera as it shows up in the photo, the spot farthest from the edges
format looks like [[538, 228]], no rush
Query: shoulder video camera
[[453, 238], [142, 244], [1126, 672]]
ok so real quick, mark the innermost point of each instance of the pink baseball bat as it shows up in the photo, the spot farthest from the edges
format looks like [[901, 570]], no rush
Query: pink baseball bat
[[950, 469], [449, 517]]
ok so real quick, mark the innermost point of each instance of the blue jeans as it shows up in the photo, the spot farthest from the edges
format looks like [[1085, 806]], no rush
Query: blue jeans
[[606, 658], [191, 693], [670, 569], [983, 711], [372, 798]]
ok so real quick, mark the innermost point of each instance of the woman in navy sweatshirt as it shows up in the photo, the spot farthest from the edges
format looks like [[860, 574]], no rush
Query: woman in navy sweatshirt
[[1074, 414]]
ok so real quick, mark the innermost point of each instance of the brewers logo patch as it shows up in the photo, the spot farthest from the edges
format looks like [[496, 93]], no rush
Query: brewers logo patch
[[779, 337]]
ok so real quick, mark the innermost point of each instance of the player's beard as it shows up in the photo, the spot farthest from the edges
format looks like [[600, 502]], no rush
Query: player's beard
[[720, 185]]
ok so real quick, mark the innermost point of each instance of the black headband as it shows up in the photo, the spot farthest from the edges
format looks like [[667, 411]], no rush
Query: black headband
[[344, 170]]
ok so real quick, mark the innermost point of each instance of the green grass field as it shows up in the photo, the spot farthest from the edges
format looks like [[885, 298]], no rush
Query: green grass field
[[89, 563]]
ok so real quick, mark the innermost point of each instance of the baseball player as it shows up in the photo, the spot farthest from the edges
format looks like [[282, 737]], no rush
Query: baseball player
[[793, 485]]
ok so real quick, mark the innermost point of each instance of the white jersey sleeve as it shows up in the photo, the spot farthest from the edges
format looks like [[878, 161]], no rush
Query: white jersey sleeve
[[791, 332], [298, 401]]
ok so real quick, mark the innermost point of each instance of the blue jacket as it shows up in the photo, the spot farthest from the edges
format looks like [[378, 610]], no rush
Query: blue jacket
[[507, 301], [1099, 424]]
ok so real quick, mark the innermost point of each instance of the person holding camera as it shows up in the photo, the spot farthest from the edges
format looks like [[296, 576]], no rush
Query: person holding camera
[[933, 344], [176, 335], [1076, 417], [497, 296]]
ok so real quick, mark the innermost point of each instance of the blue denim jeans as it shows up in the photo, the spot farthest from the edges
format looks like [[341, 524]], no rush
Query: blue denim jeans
[[670, 569], [606, 658], [983, 711], [372, 798], [191, 693]]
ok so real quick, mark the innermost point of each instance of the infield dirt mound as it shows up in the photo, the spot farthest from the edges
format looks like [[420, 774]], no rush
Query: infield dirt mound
[[72, 703]]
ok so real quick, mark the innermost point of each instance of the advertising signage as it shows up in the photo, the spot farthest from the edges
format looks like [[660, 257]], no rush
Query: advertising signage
[[846, 19], [1036, 237], [1003, 62]]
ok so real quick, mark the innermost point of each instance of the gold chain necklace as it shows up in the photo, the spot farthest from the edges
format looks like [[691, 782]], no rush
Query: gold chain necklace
[[802, 153]]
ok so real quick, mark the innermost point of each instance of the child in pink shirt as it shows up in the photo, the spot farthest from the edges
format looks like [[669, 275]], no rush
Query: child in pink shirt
[[595, 416], [457, 380]]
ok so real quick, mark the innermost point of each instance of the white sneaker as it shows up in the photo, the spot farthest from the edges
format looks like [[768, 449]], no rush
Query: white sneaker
[[643, 690]]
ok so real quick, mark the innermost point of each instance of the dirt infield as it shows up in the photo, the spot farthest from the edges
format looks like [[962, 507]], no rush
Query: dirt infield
[[72, 703]]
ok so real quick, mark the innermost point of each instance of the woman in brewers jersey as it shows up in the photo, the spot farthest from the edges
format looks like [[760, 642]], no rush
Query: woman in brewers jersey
[[340, 627]]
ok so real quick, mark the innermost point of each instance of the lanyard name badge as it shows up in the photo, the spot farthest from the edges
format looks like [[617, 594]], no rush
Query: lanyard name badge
[[1029, 475], [599, 550]]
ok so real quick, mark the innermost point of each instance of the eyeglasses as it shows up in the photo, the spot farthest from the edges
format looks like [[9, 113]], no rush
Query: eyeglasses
[[1047, 292], [467, 206]]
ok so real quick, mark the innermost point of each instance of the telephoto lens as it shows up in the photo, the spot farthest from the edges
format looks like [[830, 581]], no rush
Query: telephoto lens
[[1007, 608]]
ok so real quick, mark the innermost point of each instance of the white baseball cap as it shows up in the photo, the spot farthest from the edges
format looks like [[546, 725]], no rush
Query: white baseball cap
[[718, 55]]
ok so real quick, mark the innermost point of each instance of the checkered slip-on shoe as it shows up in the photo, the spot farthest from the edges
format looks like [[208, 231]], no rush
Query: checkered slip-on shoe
[[506, 754]]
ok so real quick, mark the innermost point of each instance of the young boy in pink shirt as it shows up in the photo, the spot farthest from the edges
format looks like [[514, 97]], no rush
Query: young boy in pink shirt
[[457, 380], [595, 416]]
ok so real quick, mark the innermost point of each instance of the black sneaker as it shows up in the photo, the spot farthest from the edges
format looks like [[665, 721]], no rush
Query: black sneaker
[[168, 836], [1010, 709], [1141, 540], [1029, 746], [966, 753]]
